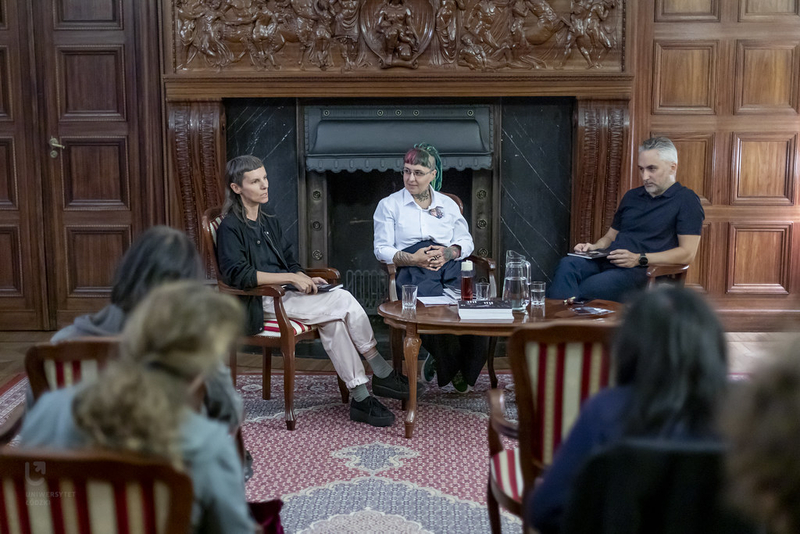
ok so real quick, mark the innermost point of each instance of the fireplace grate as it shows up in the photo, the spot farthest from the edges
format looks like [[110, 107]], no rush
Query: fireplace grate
[[369, 287]]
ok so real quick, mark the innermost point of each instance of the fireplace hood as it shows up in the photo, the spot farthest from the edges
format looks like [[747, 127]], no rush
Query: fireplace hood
[[372, 137]]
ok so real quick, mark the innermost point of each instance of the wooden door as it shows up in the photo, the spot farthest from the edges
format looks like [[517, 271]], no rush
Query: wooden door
[[86, 67]]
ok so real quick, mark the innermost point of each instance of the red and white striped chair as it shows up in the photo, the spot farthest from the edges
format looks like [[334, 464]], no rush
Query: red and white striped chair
[[556, 367], [91, 492], [57, 365], [281, 333]]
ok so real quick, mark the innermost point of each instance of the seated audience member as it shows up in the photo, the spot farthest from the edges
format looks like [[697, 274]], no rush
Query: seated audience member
[[252, 251], [659, 222], [161, 254], [143, 402], [671, 372], [423, 233], [761, 419]]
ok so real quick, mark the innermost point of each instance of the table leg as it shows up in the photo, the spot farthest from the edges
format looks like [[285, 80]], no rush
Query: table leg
[[411, 353]]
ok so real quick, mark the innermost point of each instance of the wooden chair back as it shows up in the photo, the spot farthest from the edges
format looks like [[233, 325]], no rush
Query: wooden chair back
[[92, 492], [210, 222], [57, 365], [556, 369]]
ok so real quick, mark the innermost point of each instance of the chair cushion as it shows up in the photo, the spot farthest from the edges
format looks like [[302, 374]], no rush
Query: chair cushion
[[271, 328], [214, 227], [506, 473]]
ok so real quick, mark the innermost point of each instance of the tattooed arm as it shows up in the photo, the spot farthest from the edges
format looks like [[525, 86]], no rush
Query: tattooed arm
[[419, 258]]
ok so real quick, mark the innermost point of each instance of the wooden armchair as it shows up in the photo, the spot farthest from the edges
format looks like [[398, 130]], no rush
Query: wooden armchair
[[672, 271], [556, 367], [91, 492], [280, 333], [484, 265]]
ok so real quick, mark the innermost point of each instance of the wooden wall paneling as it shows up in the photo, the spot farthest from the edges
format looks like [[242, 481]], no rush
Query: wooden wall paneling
[[601, 146], [759, 258], [766, 10], [698, 275], [89, 273], [685, 77], [88, 14], [22, 298], [695, 161], [764, 169], [196, 138], [767, 76], [687, 11]]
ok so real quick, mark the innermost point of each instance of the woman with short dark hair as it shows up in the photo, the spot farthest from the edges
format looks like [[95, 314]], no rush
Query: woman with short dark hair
[[671, 374]]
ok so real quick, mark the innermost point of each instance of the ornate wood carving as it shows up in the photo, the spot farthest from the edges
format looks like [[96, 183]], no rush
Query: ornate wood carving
[[197, 141], [365, 35], [600, 144]]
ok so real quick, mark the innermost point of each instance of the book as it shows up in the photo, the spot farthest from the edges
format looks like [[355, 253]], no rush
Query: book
[[590, 255], [322, 288], [589, 310], [492, 309]]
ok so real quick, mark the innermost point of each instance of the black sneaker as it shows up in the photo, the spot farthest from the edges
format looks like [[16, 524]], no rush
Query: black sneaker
[[394, 386], [370, 411]]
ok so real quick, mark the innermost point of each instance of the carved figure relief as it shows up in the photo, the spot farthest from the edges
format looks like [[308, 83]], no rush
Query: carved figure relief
[[359, 35]]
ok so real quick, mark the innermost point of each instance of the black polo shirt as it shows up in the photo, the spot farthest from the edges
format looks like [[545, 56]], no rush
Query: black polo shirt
[[653, 224]]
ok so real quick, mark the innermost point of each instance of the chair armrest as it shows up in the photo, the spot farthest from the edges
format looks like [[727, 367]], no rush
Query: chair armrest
[[490, 266], [328, 273], [497, 418], [391, 270], [270, 290], [13, 424], [666, 269]]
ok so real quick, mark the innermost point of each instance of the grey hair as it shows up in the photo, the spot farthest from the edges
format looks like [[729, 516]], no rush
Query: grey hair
[[666, 150]]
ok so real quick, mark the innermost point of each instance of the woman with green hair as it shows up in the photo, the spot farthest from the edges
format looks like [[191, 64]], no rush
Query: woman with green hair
[[423, 232]]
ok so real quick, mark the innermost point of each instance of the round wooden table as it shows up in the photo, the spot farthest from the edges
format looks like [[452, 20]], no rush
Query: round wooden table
[[445, 320]]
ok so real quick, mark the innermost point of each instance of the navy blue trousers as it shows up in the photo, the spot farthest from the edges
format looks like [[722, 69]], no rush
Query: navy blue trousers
[[595, 279]]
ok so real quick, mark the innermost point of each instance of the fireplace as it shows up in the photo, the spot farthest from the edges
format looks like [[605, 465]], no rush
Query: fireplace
[[512, 169]]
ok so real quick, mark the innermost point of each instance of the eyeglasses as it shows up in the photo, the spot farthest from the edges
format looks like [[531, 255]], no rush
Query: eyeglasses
[[417, 173]]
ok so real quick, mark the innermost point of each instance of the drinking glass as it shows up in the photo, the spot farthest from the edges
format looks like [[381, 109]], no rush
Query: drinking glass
[[537, 293], [409, 297], [482, 291]]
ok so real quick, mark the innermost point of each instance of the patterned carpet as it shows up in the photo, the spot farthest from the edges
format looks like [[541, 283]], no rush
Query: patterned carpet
[[337, 476]]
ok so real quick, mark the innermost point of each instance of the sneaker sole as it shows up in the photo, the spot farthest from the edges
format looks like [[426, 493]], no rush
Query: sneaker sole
[[382, 391], [361, 417]]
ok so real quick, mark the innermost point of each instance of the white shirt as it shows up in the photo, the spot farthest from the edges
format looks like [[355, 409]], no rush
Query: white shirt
[[400, 223]]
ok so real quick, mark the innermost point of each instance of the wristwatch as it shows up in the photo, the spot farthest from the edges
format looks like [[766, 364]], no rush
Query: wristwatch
[[642, 260]]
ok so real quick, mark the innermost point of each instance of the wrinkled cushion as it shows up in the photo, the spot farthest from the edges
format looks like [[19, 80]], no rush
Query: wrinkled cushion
[[506, 473], [271, 328]]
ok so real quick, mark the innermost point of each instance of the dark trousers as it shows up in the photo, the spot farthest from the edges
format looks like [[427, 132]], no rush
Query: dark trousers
[[452, 353], [595, 279]]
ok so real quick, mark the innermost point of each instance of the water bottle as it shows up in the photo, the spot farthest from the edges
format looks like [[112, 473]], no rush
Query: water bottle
[[467, 274]]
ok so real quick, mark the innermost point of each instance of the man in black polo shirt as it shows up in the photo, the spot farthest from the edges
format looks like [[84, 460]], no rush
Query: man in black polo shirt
[[659, 222]]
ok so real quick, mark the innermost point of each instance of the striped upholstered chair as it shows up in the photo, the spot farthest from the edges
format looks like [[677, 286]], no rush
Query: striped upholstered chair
[[57, 365], [556, 367], [91, 492], [280, 333]]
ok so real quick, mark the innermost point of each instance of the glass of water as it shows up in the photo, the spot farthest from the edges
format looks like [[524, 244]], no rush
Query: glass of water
[[537, 293]]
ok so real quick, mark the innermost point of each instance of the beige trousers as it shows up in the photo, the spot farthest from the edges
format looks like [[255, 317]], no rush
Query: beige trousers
[[343, 325]]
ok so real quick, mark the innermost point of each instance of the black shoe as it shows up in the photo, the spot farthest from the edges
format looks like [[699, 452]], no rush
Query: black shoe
[[394, 386], [371, 411]]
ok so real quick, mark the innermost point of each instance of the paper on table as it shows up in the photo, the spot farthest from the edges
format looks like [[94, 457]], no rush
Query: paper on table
[[444, 300]]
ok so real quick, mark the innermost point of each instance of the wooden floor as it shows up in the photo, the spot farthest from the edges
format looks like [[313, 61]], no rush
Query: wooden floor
[[746, 349]]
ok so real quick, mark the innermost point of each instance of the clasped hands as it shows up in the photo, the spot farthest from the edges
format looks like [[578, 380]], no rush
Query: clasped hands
[[305, 283], [433, 257], [619, 257]]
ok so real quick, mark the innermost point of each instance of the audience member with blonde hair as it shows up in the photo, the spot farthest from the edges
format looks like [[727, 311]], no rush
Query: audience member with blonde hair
[[762, 423], [145, 401]]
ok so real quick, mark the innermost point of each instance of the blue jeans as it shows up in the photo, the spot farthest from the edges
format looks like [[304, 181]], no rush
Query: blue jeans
[[595, 279]]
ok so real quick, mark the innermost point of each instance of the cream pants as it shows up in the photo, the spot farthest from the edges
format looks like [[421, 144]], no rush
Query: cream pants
[[343, 325]]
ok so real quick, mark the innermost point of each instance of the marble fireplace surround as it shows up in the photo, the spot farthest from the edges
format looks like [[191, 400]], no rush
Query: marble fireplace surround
[[200, 146]]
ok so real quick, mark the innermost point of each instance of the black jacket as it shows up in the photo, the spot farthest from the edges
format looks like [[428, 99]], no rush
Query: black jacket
[[245, 248]]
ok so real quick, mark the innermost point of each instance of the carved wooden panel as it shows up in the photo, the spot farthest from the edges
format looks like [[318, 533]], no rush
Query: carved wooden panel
[[685, 77], [92, 254], [687, 10], [600, 145], [767, 75], [368, 35], [695, 161], [764, 169], [756, 10], [197, 142], [95, 173], [101, 99], [88, 14], [760, 258], [5, 87], [698, 275], [8, 175], [2, 14], [10, 262]]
